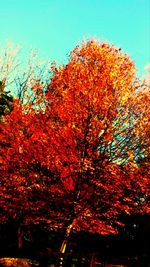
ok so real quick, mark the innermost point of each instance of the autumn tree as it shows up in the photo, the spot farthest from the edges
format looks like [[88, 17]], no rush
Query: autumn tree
[[93, 108], [17, 78], [77, 158]]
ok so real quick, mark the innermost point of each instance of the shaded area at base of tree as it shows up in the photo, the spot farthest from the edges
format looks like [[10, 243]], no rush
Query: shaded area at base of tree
[[72, 261], [130, 247]]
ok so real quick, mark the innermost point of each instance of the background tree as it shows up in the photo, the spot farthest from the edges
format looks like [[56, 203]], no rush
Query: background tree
[[5, 100], [20, 75], [77, 156]]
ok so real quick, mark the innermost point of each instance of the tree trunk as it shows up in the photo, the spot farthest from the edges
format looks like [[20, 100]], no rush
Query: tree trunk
[[64, 243], [92, 263], [20, 239]]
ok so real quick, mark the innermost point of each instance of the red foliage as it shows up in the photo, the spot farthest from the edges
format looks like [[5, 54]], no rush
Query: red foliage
[[65, 164]]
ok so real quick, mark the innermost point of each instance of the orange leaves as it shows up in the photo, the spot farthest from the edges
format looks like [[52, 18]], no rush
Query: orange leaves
[[10, 262], [77, 158], [90, 84]]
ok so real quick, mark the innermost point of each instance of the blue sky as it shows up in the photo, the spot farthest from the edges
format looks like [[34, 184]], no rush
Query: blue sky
[[54, 27]]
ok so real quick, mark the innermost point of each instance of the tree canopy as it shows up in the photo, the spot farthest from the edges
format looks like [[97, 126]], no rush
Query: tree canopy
[[77, 160]]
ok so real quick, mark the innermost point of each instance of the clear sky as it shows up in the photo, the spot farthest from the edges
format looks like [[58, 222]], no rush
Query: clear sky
[[54, 27]]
